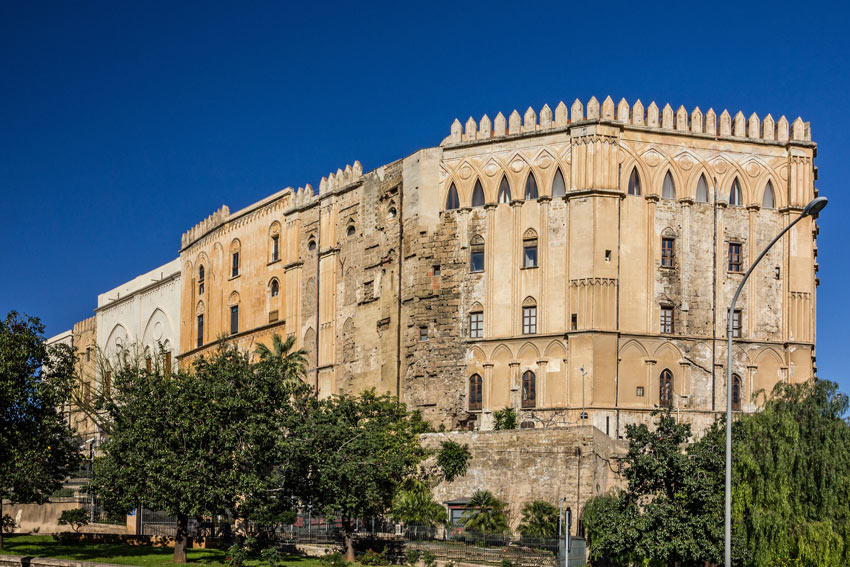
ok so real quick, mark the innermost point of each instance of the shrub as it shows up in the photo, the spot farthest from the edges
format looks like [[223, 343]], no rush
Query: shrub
[[75, 518], [236, 555], [508, 563], [7, 523], [539, 519], [272, 556], [429, 559], [411, 556], [334, 559], [504, 419], [375, 558]]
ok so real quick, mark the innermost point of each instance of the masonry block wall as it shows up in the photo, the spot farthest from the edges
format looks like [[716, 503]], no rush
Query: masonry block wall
[[574, 265]]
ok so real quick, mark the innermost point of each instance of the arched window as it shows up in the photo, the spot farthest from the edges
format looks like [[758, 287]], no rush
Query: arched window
[[201, 280], [668, 188], [529, 389], [452, 201], [476, 254], [529, 249], [665, 389], [529, 316], [530, 187], [768, 201], [478, 195], [735, 197], [634, 182], [274, 243], [350, 231], [275, 288], [702, 190], [736, 392], [504, 191], [559, 188], [311, 245], [476, 396]]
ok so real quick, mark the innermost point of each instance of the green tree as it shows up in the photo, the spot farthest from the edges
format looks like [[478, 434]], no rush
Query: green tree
[[215, 439], [357, 449], [76, 518], [37, 449], [485, 513], [414, 505], [539, 519], [504, 419], [791, 484], [453, 459]]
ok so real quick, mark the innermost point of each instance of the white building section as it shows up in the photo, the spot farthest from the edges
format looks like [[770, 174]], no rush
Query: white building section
[[144, 311]]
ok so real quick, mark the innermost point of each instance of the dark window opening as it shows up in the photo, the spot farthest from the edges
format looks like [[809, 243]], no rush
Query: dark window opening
[[475, 392], [201, 330], [736, 323], [665, 389], [529, 320], [275, 248], [476, 325], [666, 319], [234, 319], [235, 267], [735, 264], [667, 252], [529, 389]]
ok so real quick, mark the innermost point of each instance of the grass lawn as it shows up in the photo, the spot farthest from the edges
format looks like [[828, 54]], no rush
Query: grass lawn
[[45, 546]]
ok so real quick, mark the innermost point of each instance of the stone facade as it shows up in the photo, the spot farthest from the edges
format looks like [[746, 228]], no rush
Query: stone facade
[[83, 339], [573, 261], [523, 465]]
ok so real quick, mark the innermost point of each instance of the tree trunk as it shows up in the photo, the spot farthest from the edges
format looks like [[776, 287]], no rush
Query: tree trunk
[[181, 539], [348, 540], [1, 523]]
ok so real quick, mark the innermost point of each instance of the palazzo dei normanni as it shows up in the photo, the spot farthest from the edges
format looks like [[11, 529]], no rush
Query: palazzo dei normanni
[[580, 260]]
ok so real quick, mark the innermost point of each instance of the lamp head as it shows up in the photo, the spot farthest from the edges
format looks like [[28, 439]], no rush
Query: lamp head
[[814, 208]]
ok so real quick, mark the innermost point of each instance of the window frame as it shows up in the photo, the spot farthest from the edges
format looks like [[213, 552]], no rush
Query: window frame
[[275, 247], [476, 325], [532, 191], [476, 251], [452, 198], [529, 243], [668, 251], [476, 392], [665, 389], [737, 323], [667, 320], [234, 319], [736, 256], [633, 184], [737, 392], [529, 319], [234, 264], [529, 390], [199, 329]]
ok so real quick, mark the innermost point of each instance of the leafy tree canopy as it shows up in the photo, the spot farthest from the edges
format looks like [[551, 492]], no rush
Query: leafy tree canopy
[[414, 505], [539, 519], [37, 448], [485, 514], [453, 459]]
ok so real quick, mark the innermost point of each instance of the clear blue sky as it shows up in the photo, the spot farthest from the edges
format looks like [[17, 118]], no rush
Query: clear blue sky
[[124, 123]]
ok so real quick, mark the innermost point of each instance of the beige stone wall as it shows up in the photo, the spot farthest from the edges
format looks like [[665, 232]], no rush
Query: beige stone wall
[[85, 344], [524, 465], [375, 281]]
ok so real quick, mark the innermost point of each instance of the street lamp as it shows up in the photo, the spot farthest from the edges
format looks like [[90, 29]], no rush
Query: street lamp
[[812, 210]]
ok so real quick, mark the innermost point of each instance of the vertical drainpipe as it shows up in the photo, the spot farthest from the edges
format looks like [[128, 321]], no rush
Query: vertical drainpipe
[[398, 292], [617, 353], [318, 276], [714, 304]]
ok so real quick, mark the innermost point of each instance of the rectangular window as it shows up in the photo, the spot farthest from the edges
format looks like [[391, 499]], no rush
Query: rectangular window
[[476, 260], [234, 319], [666, 319], [275, 248], [235, 269], [736, 323], [574, 322], [735, 257], [423, 334], [640, 391], [168, 363], [88, 354], [667, 250], [476, 325], [201, 288], [273, 315], [529, 320], [437, 271], [529, 254], [201, 330]]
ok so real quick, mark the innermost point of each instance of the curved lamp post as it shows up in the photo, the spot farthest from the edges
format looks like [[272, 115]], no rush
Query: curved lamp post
[[812, 210]]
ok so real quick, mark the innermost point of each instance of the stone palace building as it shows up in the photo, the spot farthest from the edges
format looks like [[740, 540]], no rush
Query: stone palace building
[[576, 266]]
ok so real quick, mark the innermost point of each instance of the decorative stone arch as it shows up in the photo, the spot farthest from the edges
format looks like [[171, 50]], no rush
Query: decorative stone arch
[[350, 227], [308, 300], [200, 308], [529, 302], [450, 182], [116, 341], [235, 245], [517, 174], [529, 350], [476, 356], [529, 176], [666, 347], [309, 346], [546, 164], [153, 334], [769, 352], [633, 344], [724, 182], [779, 195], [233, 299], [630, 161], [476, 306], [661, 173], [555, 349], [466, 186], [274, 229], [702, 168], [669, 232], [502, 350], [350, 287]]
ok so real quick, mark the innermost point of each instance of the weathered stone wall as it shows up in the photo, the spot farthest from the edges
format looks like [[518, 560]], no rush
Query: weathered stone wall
[[524, 465]]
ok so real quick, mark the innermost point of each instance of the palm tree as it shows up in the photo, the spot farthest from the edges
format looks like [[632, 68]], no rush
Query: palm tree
[[539, 519], [291, 362], [413, 505], [485, 513]]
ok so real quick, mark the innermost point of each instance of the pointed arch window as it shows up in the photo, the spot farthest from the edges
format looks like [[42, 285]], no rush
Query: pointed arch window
[[504, 191], [476, 254], [634, 182], [559, 188], [476, 392], [736, 392], [478, 195], [201, 280], [529, 389], [702, 190], [668, 188], [452, 201], [665, 389], [769, 200], [735, 197], [530, 187]]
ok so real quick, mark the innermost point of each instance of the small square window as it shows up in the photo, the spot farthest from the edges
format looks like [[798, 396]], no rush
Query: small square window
[[608, 256], [735, 263], [423, 334], [437, 271], [666, 319], [476, 325], [640, 391]]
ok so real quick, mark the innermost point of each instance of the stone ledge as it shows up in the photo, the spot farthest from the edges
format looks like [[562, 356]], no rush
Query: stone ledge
[[24, 561]]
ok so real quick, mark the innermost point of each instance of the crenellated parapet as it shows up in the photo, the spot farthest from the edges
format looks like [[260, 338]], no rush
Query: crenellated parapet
[[341, 178], [651, 116], [214, 220]]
